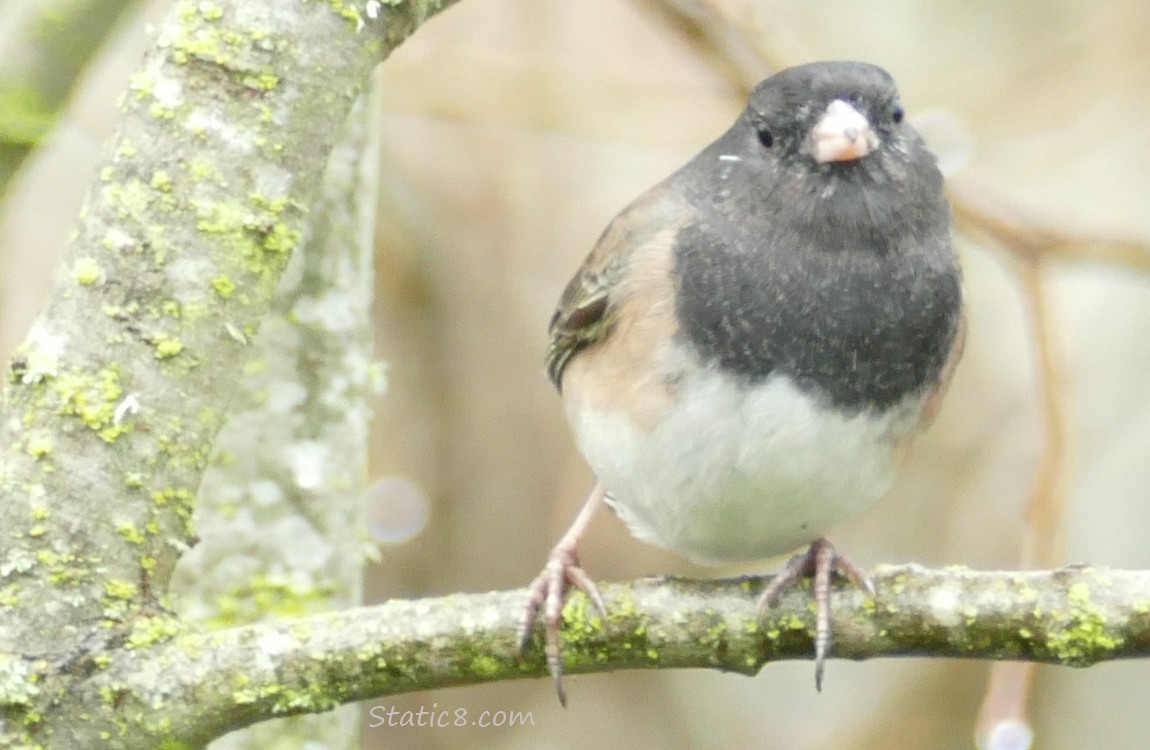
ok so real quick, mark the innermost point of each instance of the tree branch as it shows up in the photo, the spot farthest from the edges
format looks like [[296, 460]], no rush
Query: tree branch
[[280, 511], [1005, 707], [115, 398], [984, 214], [112, 404], [197, 684]]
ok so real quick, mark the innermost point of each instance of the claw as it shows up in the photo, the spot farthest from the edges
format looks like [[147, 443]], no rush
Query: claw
[[546, 593], [820, 560]]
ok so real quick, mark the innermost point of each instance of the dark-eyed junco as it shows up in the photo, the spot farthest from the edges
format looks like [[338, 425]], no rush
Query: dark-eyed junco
[[752, 343]]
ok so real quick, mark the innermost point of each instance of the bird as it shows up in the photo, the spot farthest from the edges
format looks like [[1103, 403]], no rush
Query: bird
[[752, 343]]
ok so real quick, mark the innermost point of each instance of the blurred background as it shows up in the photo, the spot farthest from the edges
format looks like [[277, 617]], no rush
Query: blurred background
[[514, 131]]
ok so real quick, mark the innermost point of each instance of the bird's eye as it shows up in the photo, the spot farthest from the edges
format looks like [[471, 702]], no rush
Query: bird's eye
[[758, 122], [897, 113]]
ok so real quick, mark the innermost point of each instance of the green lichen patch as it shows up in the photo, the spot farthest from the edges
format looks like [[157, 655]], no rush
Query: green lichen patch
[[252, 236], [130, 532], [240, 51], [91, 397], [265, 596], [786, 623], [119, 589], [68, 569], [40, 446], [265, 81], [126, 150], [218, 46], [130, 199], [10, 595], [223, 286], [171, 309], [1078, 636], [580, 619], [167, 346], [205, 172], [349, 12], [142, 84], [177, 497], [486, 666], [86, 271], [162, 181], [150, 631], [210, 11]]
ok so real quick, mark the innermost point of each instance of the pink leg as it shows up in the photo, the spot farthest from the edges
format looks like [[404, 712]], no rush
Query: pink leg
[[820, 560], [546, 592]]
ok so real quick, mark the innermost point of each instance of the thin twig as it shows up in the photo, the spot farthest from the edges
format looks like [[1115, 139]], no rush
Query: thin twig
[[984, 215], [738, 52], [726, 44], [1004, 719]]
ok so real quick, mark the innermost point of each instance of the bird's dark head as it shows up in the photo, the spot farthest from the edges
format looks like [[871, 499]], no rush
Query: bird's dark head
[[823, 150], [829, 114]]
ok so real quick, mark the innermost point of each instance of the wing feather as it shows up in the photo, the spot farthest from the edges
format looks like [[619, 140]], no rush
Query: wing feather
[[586, 310]]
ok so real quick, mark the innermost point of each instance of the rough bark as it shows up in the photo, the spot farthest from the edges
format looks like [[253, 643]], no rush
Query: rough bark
[[114, 400]]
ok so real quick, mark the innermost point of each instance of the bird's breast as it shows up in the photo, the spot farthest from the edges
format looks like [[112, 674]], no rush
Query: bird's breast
[[865, 326], [736, 472]]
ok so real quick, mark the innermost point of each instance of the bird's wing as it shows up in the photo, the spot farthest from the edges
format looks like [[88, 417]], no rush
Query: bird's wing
[[586, 310]]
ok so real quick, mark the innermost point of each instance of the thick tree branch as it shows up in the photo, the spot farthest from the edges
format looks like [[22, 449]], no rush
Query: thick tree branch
[[114, 399], [197, 684], [112, 403], [281, 508]]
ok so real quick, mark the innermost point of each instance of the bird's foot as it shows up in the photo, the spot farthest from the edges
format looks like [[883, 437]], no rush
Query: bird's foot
[[546, 592], [820, 560], [545, 595]]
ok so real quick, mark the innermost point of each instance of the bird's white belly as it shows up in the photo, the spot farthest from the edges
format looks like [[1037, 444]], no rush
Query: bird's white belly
[[731, 473]]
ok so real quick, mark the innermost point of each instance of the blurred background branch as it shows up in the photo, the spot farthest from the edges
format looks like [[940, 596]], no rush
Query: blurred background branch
[[989, 216], [46, 46], [1004, 720]]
